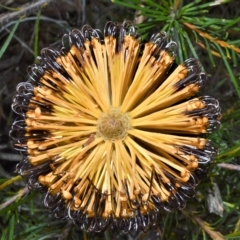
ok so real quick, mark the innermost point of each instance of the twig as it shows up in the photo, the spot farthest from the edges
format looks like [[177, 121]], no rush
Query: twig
[[24, 10], [212, 51], [10, 181], [204, 225], [176, 5], [203, 34], [229, 166], [21, 193]]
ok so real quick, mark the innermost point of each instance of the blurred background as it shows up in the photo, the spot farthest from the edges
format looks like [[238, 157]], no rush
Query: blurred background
[[208, 30]]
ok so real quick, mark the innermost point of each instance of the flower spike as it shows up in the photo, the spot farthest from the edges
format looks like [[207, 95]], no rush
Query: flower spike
[[111, 130]]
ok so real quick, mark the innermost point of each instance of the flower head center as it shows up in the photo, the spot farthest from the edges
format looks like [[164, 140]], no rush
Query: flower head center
[[113, 125]]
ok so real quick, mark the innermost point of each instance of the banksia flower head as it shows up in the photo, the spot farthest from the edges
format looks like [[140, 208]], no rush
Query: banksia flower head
[[111, 130]]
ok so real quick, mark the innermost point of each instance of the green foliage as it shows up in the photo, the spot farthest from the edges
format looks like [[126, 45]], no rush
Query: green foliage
[[208, 30], [191, 24]]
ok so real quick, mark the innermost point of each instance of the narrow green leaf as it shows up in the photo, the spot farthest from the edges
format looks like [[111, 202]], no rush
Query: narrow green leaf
[[9, 38], [144, 29], [195, 7], [183, 44], [16, 204], [129, 5], [235, 235], [194, 13], [235, 42], [36, 227], [219, 2], [234, 58], [31, 206], [229, 153], [234, 80], [177, 39], [190, 45], [157, 6], [9, 8], [36, 33], [145, 10], [231, 23], [200, 6], [12, 225], [166, 28], [209, 52], [48, 236], [33, 234], [184, 8]]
